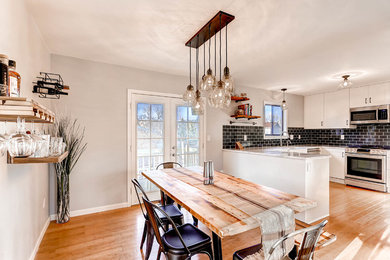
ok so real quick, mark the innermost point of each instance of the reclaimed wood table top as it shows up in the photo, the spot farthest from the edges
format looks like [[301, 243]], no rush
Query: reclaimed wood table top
[[230, 205]]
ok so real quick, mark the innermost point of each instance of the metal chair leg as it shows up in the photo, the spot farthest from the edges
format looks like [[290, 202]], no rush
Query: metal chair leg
[[196, 221], [149, 241], [143, 235]]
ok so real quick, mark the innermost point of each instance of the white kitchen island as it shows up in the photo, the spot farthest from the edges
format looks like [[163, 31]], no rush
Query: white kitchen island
[[292, 171]]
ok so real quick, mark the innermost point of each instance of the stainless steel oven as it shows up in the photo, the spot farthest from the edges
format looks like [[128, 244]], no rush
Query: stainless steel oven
[[366, 168], [370, 115]]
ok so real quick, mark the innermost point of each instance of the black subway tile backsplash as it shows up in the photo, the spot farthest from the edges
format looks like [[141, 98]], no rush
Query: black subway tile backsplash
[[376, 134]]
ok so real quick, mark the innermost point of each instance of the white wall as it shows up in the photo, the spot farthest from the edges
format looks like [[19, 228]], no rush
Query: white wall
[[98, 98], [23, 188]]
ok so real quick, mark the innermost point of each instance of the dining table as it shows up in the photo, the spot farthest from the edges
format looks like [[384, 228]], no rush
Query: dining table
[[227, 207]]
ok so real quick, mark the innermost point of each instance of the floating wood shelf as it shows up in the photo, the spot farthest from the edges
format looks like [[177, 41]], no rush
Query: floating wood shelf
[[245, 116], [50, 159], [239, 99], [11, 108]]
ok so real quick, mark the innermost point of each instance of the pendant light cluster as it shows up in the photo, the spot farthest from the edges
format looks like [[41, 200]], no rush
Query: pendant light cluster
[[218, 92]]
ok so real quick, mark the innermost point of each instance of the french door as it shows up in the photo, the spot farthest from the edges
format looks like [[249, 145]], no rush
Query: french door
[[162, 128]]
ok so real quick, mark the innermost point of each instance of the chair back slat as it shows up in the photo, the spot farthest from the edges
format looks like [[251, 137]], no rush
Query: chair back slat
[[156, 223], [309, 242], [140, 191], [153, 218], [168, 165]]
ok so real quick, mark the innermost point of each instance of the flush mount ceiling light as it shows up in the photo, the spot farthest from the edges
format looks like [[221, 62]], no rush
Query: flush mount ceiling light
[[218, 93], [284, 102], [346, 83]]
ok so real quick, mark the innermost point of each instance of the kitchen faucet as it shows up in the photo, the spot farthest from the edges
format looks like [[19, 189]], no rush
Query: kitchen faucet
[[281, 138]]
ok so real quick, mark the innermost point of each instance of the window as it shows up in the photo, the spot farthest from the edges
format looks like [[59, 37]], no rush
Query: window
[[150, 136], [187, 136], [275, 121]]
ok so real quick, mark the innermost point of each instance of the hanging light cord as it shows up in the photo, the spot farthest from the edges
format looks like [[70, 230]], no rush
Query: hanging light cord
[[226, 42], [204, 59], [197, 64], [215, 52], [209, 46], [190, 66], [220, 49]]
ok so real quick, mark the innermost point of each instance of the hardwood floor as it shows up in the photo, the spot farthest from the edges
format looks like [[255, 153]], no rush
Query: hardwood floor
[[360, 219]]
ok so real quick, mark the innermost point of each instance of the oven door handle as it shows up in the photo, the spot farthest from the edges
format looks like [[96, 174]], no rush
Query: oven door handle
[[367, 155]]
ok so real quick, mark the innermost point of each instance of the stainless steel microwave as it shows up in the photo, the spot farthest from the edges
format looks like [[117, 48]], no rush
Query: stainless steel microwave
[[370, 115]]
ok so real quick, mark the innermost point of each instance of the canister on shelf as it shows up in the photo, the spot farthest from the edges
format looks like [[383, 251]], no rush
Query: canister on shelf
[[14, 80], [4, 75]]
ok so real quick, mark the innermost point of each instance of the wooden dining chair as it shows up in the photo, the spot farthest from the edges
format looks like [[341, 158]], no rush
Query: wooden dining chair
[[304, 252], [165, 199], [180, 242], [171, 210]]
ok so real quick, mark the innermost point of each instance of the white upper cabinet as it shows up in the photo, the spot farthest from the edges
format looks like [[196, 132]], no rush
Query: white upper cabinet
[[359, 97], [336, 109], [379, 94], [314, 111], [370, 95]]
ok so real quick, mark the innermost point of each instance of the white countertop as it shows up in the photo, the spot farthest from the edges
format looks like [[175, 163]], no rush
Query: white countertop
[[291, 152]]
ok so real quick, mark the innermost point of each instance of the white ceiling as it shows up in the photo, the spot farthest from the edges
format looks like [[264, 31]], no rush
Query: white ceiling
[[298, 44]]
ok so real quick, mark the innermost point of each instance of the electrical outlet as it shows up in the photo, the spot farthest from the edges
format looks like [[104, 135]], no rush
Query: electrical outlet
[[342, 137], [245, 137]]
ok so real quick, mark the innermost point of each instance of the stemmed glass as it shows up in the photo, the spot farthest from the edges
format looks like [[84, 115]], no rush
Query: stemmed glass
[[4, 139]]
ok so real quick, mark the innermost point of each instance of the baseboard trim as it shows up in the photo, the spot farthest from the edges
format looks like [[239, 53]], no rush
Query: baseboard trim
[[38, 242], [337, 180], [81, 212]]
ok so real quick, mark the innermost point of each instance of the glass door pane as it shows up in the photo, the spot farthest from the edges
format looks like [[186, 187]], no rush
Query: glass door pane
[[149, 140], [187, 136]]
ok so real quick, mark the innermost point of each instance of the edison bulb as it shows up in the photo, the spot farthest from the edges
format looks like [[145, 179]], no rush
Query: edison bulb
[[209, 80], [189, 95]]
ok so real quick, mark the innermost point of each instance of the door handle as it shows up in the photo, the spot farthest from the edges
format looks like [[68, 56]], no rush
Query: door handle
[[370, 100], [365, 100], [322, 123], [346, 122]]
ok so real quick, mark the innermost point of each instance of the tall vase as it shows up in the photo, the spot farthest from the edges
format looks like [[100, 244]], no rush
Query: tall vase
[[63, 212]]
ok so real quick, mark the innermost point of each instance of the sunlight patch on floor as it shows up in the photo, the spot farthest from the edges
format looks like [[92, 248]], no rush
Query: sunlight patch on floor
[[351, 250]]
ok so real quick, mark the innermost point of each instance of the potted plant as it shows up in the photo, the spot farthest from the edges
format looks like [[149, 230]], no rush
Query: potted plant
[[73, 136]]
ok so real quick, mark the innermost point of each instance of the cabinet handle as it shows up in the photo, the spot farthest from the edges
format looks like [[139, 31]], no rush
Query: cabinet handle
[[365, 100], [346, 122], [370, 100], [322, 123]]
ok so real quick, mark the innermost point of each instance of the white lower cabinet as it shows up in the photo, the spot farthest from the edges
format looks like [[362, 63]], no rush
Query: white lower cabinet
[[336, 163]]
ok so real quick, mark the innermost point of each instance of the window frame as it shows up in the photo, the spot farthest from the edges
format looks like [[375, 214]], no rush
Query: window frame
[[284, 121]]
